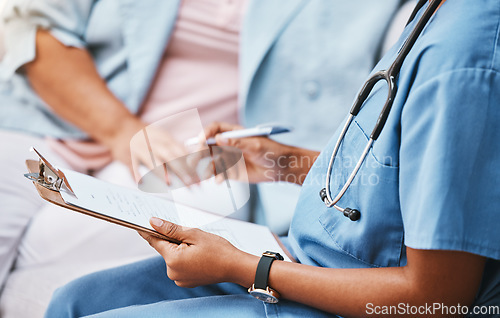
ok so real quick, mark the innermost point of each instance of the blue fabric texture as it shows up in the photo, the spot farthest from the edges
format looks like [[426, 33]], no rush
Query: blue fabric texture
[[305, 74], [431, 179], [144, 290]]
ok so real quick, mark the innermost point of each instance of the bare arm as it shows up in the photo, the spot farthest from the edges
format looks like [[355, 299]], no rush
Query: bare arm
[[446, 277], [67, 80]]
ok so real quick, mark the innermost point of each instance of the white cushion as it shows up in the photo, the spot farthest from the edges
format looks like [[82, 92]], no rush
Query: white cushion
[[59, 246]]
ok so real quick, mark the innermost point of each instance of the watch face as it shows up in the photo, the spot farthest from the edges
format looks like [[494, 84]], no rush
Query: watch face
[[264, 296]]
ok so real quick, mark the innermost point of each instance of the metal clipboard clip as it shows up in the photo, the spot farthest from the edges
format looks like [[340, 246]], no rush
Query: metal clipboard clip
[[49, 176]]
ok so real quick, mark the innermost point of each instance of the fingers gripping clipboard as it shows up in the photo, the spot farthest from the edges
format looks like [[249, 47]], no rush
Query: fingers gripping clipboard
[[51, 184]]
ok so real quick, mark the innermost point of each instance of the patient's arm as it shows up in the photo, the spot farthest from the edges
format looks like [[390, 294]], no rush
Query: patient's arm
[[67, 80], [267, 160]]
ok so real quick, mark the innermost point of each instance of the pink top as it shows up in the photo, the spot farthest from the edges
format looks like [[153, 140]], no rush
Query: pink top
[[199, 70]]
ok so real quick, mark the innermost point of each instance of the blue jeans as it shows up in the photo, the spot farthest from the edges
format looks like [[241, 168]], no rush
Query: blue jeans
[[143, 290]]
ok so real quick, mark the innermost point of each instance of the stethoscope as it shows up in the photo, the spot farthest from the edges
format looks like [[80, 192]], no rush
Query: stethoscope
[[389, 76]]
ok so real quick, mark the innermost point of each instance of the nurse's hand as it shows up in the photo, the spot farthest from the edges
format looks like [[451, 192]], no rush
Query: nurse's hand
[[266, 160], [202, 258]]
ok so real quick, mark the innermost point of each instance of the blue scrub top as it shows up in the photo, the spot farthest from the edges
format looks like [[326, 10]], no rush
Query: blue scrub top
[[431, 180]]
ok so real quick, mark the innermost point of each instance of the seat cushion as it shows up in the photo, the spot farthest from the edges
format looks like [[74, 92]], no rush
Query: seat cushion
[[51, 256]]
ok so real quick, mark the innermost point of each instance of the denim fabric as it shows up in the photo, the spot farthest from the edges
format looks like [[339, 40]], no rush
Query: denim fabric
[[143, 290]]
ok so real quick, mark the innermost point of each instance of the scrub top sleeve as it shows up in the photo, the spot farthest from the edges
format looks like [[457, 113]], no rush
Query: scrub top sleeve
[[449, 163], [66, 20]]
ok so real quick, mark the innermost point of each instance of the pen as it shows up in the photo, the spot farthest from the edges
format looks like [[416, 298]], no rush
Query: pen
[[243, 133]]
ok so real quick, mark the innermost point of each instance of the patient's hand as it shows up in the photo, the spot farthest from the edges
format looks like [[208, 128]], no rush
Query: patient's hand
[[201, 259], [266, 160], [137, 144]]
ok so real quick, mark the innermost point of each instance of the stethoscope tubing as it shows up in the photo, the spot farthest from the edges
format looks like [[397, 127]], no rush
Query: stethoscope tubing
[[390, 75]]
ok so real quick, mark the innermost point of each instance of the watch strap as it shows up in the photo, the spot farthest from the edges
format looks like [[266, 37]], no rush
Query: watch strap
[[263, 269]]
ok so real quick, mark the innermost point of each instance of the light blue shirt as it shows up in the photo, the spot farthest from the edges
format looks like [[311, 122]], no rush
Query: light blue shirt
[[431, 180], [292, 55]]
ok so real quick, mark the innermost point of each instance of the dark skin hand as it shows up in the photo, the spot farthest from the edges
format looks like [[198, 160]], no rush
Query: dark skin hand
[[430, 276], [447, 277], [265, 159]]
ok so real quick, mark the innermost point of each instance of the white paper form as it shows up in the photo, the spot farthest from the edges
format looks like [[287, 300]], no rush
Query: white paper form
[[137, 207]]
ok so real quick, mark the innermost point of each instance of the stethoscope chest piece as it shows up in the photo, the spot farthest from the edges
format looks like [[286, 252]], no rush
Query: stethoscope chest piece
[[352, 214]]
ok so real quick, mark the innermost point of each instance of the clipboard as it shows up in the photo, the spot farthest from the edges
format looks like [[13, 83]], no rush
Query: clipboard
[[49, 181]]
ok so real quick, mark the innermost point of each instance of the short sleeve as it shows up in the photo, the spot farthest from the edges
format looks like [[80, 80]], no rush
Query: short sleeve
[[66, 20], [450, 163]]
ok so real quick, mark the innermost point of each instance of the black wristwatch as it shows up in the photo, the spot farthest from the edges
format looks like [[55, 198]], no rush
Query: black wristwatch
[[260, 289]]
